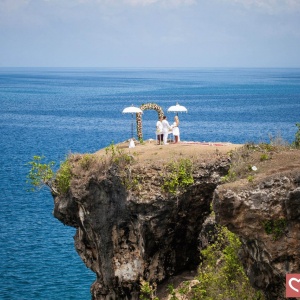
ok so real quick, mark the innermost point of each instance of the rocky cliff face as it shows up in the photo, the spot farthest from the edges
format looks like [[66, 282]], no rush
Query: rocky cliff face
[[266, 217], [125, 236]]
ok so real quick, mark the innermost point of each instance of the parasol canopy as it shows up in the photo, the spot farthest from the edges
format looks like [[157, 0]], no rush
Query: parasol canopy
[[177, 108], [132, 110]]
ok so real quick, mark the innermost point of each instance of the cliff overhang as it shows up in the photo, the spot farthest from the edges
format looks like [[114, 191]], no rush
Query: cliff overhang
[[129, 228]]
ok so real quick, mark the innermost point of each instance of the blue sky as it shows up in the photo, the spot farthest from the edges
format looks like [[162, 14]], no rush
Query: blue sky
[[150, 33]]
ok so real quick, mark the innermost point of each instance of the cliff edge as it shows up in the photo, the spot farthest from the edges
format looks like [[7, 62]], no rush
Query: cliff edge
[[139, 212], [265, 214]]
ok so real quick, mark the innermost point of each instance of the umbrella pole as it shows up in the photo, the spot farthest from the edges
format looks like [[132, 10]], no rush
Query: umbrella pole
[[132, 126]]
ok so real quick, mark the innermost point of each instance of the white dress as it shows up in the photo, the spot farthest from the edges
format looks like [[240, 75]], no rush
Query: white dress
[[176, 130], [159, 128]]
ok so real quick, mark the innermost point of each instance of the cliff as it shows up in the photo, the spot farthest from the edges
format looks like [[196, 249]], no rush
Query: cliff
[[266, 217], [139, 213]]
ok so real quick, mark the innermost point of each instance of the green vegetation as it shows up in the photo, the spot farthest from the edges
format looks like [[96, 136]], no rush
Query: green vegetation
[[276, 227], [296, 143], [124, 162], [87, 161], [231, 176], [244, 159], [250, 178], [221, 274], [172, 292], [179, 176], [117, 155], [40, 174], [63, 177], [264, 157], [131, 181], [147, 291], [184, 289]]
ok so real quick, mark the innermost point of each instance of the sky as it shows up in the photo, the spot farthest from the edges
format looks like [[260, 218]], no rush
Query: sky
[[150, 33]]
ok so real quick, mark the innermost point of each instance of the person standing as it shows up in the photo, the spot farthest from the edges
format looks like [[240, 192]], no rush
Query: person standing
[[166, 128], [159, 131], [175, 127]]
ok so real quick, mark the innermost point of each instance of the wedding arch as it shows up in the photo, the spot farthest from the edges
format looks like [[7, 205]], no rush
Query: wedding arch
[[139, 122]]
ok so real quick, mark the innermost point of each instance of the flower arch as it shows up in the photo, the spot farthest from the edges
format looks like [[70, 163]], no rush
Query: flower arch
[[139, 123]]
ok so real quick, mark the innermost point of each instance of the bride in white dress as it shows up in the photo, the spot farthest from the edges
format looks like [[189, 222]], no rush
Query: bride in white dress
[[175, 127]]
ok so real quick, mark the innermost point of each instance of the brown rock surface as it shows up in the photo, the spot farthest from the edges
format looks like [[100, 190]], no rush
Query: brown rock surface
[[129, 229], [265, 214]]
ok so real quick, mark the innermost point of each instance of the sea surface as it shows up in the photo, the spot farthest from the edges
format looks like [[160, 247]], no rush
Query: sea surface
[[54, 112]]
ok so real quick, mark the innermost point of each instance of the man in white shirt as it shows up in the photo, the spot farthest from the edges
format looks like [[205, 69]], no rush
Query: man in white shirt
[[166, 128]]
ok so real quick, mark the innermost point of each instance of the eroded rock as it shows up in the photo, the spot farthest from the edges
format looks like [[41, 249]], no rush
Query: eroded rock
[[268, 253], [125, 236]]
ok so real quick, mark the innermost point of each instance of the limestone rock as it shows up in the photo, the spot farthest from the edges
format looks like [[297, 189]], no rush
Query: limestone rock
[[247, 211], [125, 235]]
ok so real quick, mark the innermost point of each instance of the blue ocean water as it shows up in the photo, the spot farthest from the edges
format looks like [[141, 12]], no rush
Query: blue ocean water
[[53, 112]]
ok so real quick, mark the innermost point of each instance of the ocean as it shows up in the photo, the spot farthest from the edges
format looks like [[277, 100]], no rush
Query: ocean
[[57, 111]]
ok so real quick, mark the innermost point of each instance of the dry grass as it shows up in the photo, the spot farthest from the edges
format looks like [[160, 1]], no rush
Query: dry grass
[[149, 153], [250, 163], [147, 159]]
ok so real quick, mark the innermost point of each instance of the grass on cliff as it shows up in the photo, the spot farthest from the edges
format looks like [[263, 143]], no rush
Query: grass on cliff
[[221, 274], [42, 174], [247, 161], [77, 167], [178, 176]]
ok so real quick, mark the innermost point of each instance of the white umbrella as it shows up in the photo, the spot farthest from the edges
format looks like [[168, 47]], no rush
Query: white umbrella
[[177, 108], [132, 110]]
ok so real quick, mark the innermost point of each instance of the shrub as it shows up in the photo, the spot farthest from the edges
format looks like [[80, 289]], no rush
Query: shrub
[[63, 177], [275, 227], [130, 181], [244, 158], [250, 178], [231, 176], [147, 291], [264, 157], [117, 156], [221, 274], [40, 174], [172, 292], [178, 176], [87, 161], [296, 143], [43, 175]]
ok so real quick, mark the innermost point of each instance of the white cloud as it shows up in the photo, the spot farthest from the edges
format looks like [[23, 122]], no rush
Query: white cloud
[[269, 6], [11, 5], [140, 2], [129, 2], [166, 3], [146, 32]]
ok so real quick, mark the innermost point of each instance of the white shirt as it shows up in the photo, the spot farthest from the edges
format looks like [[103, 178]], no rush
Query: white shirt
[[166, 125]]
